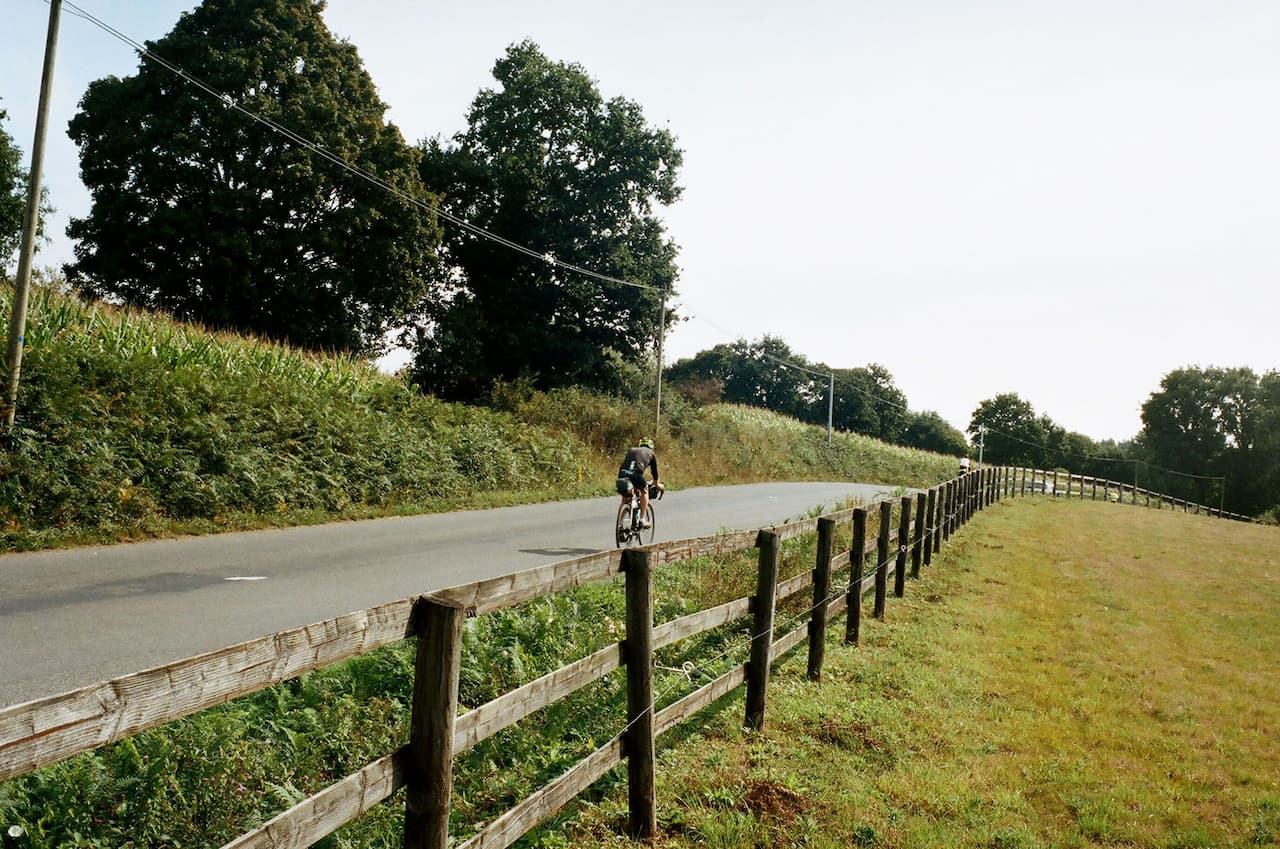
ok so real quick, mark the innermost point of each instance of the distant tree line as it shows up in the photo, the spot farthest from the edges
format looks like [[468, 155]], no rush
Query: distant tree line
[[1211, 435], [768, 373]]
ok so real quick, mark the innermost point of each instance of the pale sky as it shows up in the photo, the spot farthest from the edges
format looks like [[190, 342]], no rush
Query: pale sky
[[1063, 200]]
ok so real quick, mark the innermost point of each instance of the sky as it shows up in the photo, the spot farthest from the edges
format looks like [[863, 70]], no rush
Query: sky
[[1062, 200]]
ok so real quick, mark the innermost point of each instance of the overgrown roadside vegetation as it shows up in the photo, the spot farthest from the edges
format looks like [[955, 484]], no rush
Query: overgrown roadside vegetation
[[131, 426], [1066, 675]]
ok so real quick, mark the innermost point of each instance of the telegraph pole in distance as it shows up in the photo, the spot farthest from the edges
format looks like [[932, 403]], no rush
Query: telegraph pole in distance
[[831, 403], [22, 285], [662, 331]]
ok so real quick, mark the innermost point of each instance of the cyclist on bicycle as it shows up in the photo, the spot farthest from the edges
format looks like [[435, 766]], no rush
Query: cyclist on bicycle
[[631, 475]]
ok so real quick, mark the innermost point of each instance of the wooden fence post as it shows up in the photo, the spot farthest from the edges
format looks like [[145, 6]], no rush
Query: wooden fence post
[[917, 539], [1055, 483], [857, 563], [762, 628], [882, 561], [821, 589], [429, 766], [638, 744], [904, 540], [1022, 490], [949, 509], [935, 532]]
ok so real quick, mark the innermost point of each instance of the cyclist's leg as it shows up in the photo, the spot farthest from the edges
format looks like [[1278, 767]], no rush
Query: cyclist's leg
[[644, 504]]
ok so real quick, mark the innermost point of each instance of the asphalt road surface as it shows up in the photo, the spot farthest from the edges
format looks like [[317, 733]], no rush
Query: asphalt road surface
[[72, 618]]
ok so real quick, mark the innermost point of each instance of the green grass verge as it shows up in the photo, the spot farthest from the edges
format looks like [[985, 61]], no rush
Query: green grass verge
[[1066, 675]]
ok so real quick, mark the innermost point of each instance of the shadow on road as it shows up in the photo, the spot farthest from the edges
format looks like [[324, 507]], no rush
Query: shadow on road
[[165, 582], [560, 552]]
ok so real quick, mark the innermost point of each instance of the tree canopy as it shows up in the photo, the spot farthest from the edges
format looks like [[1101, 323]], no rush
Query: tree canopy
[[547, 163], [868, 401], [929, 431], [204, 212], [1216, 422], [1015, 435], [13, 196], [768, 373], [764, 373]]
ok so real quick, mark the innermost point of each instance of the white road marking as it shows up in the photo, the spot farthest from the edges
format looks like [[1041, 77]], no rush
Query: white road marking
[[246, 578]]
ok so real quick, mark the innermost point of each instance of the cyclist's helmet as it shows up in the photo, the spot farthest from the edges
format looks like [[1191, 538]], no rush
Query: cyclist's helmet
[[646, 442]]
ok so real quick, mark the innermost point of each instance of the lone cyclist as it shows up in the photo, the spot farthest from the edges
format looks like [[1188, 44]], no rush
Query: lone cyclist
[[631, 475]]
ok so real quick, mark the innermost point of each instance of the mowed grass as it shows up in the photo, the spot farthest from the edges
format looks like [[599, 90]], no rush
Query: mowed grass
[[1066, 674]]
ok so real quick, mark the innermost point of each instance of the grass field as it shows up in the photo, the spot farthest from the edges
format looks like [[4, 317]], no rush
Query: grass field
[[1067, 674]]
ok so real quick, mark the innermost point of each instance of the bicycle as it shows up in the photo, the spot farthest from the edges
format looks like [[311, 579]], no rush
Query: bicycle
[[628, 530]]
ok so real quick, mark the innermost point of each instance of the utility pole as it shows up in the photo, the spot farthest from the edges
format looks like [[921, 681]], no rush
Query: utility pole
[[982, 442], [662, 332], [831, 403], [22, 285], [1222, 495]]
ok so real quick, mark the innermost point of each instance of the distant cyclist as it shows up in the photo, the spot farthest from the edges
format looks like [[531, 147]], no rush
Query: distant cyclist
[[631, 475]]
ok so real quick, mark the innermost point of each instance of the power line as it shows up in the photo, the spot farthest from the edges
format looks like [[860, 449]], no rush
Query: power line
[[325, 153], [462, 223]]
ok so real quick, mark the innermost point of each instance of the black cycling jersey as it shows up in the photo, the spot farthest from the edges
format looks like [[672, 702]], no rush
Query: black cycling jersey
[[637, 460]]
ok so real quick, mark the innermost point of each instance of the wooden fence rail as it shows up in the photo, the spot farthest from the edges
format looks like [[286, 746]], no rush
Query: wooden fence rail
[[45, 731]]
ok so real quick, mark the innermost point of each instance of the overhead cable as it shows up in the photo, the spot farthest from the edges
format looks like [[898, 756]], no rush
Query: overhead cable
[[337, 160]]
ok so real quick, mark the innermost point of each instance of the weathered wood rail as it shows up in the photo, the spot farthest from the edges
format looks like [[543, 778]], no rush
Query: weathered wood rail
[[45, 731]]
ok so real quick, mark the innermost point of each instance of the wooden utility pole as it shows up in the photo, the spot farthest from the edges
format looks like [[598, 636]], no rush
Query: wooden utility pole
[[22, 285], [662, 332]]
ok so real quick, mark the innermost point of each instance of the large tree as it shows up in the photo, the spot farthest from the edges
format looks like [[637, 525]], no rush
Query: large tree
[[868, 401], [929, 431], [1205, 422], [550, 165], [764, 373], [1014, 435], [13, 197], [200, 210]]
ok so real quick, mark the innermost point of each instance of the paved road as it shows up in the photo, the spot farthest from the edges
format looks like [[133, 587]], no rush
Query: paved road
[[72, 618]]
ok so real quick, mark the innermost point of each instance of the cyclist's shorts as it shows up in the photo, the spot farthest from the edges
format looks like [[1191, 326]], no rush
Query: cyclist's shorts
[[628, 481]]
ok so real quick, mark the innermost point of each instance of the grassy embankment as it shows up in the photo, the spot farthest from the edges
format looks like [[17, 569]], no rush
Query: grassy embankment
[[1068, 675], [134, 426]]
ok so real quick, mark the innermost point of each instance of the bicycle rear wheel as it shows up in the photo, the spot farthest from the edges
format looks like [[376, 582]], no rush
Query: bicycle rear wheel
[[645, 535], [622, 530]]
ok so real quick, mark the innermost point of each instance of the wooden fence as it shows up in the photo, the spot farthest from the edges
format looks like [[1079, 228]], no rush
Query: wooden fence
[[45, 731]]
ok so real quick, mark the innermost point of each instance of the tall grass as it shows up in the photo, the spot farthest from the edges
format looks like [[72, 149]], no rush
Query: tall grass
[[132, 425], [129, 423]]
